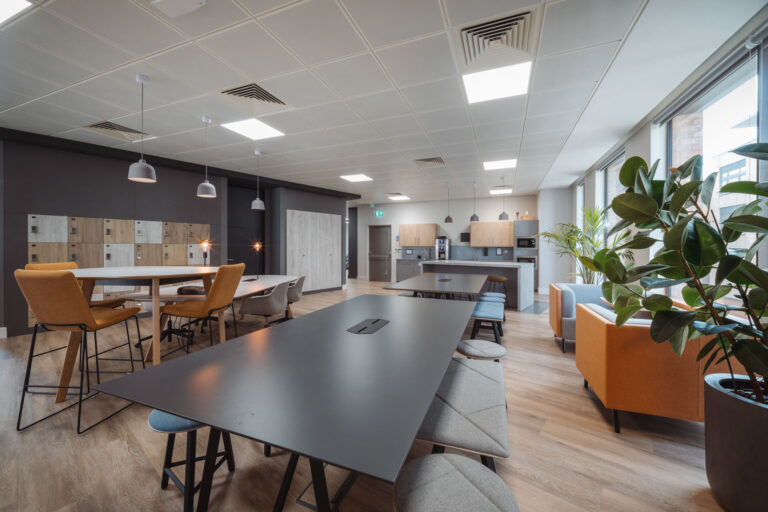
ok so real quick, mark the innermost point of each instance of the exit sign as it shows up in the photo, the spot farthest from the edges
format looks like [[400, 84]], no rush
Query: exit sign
[[378, 213]]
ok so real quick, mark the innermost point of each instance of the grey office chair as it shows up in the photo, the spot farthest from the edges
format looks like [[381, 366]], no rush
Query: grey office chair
[[294, 294], [274, 302]]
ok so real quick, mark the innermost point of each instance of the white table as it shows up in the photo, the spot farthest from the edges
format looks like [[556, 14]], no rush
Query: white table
[[249, 285]]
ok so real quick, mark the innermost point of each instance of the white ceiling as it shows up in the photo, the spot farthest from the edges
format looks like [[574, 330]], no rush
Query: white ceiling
[[371, 84]]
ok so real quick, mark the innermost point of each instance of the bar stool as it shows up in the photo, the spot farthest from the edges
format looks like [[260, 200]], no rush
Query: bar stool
[[498, 284], [170, 424]]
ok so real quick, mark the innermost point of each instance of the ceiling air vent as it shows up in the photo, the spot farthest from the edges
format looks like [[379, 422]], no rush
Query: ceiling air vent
[[510, 33], [255, 99], [434, 161], [254, 92], [117, 131]]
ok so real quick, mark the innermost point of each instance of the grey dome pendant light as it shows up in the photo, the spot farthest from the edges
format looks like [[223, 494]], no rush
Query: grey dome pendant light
[[141, 171], [449, 219], [257, 204], [474, 217], [206, 188], [503, 215]]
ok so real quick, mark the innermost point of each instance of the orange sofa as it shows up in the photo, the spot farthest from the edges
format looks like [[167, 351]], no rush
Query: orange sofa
[[628, 371]]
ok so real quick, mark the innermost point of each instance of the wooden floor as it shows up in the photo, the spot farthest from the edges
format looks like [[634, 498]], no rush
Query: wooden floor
[[564, 453]]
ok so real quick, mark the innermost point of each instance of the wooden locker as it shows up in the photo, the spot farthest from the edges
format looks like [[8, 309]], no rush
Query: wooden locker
[[46, 228], [148, 255], [86, 230], [47, 252], [118, 231], [198, 232], [118, 255], [327, 267], [175, 254], [175, 233], [195, 254], [86, 255], [148, 232]]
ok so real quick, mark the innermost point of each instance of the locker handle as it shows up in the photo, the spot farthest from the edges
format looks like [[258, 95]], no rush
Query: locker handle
[[34, 257], [74, 257], [74, 230], [109, 231], [166, 255], [33, 229], [108, 256]]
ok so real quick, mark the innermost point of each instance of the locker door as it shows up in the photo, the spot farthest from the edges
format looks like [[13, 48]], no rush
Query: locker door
[[194, 254], [118, 255], [118, 231], [198, 232], [175, 233], [175, 254], [148, 232], [148, 255], [46, 228], [86, 230], [87, 255], [47, 252]]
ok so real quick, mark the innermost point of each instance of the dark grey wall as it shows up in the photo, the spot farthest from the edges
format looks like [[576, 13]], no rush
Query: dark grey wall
[[244, 226], [51, 181], [282, 200], [352, 228]]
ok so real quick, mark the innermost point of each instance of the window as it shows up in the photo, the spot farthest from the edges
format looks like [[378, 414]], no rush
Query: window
[[611, 185], [580, 205]]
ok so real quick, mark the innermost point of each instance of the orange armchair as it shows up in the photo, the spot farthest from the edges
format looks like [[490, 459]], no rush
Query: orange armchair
[[630, 372]]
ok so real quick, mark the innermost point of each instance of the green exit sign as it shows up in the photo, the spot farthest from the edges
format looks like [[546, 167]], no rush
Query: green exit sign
[[378, 213]]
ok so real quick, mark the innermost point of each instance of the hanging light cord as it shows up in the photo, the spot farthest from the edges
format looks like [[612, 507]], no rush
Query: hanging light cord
[[449, 199], [142, 120], [474, 197], [258, 161], [206, 150]]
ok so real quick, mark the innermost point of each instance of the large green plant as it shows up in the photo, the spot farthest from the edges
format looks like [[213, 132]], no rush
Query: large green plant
[[699, 253], [570, 240]]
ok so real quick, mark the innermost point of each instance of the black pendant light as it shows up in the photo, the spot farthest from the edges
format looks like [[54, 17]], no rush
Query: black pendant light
[[449, 219], [257, 204], [206, 188], [141, 171], [503, 215], [474, 217]]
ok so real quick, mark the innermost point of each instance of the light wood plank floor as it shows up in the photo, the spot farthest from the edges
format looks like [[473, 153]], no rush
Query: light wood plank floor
[[564, 453]]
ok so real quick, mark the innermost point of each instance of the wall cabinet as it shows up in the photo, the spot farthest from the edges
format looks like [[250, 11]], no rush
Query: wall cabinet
[[148, 231], [86, 230], [418, 235], [492, 234]]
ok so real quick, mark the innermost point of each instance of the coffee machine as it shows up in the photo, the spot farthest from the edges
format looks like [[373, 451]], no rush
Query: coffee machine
[[442, 248]]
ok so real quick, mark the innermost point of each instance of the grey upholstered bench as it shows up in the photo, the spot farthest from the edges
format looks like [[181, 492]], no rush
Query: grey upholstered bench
[[469, 411], [450, 482], [481, 349]]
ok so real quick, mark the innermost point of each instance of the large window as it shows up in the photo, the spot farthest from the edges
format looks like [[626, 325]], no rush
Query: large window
[[612, 186], [580, 205]]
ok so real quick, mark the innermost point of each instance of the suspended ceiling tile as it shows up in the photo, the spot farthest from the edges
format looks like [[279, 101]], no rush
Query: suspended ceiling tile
[[332, 114], [509, 147], [354, 76], [452, 135], [560, 100], [379, 105], [355, 132], [395, 20], [551, 122], [497, 111], [258, 7], [72, 100], [300, 89], [21, 120], [23, 85], [209, 17], [578, 68], [316, 30], [505, 130], [292, 121], [91, 137], [458, 149], [394, 126], [462, 11], [191, 64], [453, 117], [435, 95], [419, 61]]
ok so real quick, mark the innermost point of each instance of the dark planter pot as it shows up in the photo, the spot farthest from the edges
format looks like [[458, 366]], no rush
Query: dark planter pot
[[736, 447]]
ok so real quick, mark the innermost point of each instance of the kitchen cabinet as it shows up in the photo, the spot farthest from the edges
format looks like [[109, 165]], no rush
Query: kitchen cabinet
[[405, 269], [86, 230], [492, 234], [418, 235], [119, 231]]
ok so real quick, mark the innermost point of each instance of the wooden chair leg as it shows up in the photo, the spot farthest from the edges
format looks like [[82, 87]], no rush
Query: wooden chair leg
[[167, 460]]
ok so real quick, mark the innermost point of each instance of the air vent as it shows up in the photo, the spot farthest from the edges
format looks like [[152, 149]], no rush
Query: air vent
[[117, 131], [434, 161], [255, 99], [254, 92], [510, 33]]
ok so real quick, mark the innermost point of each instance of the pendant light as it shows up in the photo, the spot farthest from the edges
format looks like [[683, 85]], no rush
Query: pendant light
[[449, 219], [141, 171], [474, 217], [257, 204], [503, 215], [206, 188]]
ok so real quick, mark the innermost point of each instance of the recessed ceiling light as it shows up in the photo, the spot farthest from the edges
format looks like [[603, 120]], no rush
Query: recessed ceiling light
[[356, 177], [500, 191], [497, 83], [495, 165], [145, 139], [253, 129], [10, 8], [398, 197]]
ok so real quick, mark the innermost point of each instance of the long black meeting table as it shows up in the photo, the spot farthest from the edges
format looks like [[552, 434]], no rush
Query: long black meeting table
[[348, 385]]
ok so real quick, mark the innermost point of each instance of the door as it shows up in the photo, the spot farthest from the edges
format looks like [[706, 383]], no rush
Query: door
[[379, 253]]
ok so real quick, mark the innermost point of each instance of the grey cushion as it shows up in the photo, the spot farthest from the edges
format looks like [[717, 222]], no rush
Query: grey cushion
[[450, 482], [579, 294], [170, 423], [494, 294], [489, 310], [469, 411], [481, 349]]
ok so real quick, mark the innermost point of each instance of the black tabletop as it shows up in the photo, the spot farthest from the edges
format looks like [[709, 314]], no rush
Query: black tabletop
[[312, 387], [441, 283]]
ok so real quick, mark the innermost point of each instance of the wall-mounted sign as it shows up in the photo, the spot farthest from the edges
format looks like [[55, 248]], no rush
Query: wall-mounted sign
[[378, 213]]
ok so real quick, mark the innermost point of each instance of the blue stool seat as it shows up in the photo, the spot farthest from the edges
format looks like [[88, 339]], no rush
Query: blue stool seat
[[494, 294], [489, 310], [169, 423], [493, 299]]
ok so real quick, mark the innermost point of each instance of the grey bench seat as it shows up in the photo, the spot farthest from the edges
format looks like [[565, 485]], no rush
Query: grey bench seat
[[469, 411]]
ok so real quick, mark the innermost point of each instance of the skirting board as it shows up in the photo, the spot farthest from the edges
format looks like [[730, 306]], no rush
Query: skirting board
[[3, 332]]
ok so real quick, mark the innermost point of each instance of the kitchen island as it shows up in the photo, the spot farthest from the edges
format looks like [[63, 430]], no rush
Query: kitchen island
[[521, 278]]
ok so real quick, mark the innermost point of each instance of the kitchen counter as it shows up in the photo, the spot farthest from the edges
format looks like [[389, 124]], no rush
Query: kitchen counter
[[520, 284]]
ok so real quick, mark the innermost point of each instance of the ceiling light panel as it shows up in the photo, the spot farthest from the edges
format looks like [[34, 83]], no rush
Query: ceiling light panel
[[497, 83], [495, 165], [501, 191], [354, 178], [253, 129], [398, 197], [10, 8]]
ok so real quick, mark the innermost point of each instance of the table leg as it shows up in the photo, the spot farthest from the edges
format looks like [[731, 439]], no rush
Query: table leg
[[285, 486], [319, 485], [72, 348], [208, 470], [157, 328], [148, 354]]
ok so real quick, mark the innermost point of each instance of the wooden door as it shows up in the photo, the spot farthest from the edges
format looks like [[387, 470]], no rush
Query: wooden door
[[47, 228], [175, 254], [148, 231], [118, 231], [194, 254], [87, 255], [175, 233], [198, 232], [47, 252], [148, 255], [86, 230]]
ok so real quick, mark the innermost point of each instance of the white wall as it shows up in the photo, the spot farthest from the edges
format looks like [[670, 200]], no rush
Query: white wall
[[554, 207], [432, 211]]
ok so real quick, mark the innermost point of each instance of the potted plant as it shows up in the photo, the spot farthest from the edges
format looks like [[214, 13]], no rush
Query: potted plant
[[572, 241], [727, 296]]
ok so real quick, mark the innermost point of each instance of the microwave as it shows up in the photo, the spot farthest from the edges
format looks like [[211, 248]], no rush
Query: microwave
[[526, 243]]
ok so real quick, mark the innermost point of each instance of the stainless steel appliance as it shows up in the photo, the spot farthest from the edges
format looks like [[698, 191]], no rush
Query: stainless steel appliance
[[525, 243], [443, 248], [531, 258]]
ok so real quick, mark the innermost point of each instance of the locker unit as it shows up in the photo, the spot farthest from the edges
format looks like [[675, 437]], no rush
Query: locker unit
[[314, 248], [47, 252], [118, 255], [175, 233], [86, 255], [46, 228], [148, 255], [198, 232], [85, 230], [195, 254], [174, 254], [118, 231], [148, 232]]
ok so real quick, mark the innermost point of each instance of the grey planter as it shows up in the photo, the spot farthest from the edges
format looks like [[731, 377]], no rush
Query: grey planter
[[736, 448]]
